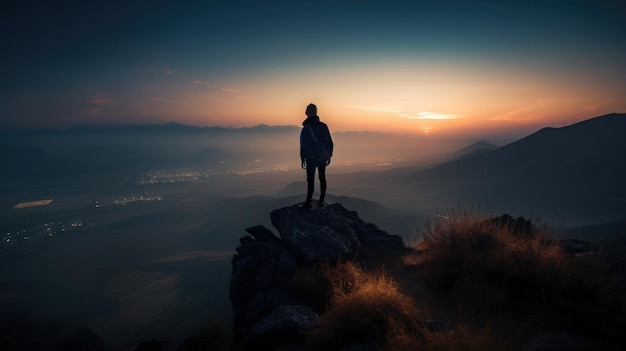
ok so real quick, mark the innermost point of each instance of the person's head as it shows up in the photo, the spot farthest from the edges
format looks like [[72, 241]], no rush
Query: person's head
[[311, 110]]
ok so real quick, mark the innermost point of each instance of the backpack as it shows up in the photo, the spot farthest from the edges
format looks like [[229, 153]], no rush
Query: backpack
[[322, 149]]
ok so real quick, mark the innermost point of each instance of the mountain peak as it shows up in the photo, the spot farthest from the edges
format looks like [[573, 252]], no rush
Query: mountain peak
[[577, 169]]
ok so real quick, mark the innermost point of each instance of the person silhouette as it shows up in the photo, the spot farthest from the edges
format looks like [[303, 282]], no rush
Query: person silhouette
[[316, 149]]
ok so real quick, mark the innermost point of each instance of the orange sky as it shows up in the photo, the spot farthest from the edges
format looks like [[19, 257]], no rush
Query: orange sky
[[400, 66], [406, 97]]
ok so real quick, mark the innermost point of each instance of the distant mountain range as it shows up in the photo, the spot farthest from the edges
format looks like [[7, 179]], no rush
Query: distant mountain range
[[578, 167], [174, 127], [168, 128]]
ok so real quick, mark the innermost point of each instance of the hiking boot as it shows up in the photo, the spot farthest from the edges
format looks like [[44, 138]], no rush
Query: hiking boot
[[306, 204]]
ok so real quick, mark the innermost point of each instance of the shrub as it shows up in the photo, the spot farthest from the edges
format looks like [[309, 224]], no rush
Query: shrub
[[315, 286], [489, 267], [362, 309], [492, 264], [367, 308]]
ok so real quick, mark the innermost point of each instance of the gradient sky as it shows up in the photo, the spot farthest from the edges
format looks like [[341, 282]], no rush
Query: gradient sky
[[403, 66]]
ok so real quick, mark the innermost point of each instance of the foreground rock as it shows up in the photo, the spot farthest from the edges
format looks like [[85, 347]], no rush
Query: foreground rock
[[266, 316], [517, 226]]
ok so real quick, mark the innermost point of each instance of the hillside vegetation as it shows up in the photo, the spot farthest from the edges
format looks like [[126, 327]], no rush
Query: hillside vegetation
[[497, 285]]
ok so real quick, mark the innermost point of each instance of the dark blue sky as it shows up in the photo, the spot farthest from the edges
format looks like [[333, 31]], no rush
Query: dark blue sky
[[396, 64]]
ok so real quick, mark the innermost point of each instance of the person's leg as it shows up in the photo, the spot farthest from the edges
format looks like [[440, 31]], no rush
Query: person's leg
[[322, 176], [310, 181]]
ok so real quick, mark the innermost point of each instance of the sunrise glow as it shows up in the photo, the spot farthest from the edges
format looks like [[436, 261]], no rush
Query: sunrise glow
[[369, 67]]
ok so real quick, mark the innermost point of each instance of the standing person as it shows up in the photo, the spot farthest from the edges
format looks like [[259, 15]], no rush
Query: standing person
[[316, 149]]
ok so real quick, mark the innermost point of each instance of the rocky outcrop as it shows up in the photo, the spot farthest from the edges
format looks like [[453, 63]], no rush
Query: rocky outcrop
[[525, 228], [265, 314], [518, 226]]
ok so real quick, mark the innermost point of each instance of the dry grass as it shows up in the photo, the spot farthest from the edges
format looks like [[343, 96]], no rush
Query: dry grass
[[499, 281], [364, 307], [490, 268], [492, 264], [367, 308]]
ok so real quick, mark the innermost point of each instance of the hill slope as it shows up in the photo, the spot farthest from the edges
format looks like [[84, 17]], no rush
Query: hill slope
[[577, 167], [474, 149]]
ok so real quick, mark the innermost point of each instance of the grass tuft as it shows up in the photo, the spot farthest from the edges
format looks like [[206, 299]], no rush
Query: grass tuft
[[366, 308]]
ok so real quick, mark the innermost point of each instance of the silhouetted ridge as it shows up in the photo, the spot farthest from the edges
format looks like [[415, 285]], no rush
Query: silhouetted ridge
[[171, 127], [583, 162], [474, 149]]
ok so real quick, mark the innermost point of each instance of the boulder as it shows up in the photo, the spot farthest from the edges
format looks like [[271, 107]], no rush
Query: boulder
[[287, 317], [329, 234], [261, 270], [316, 235], [281, 329], [518, 226]]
